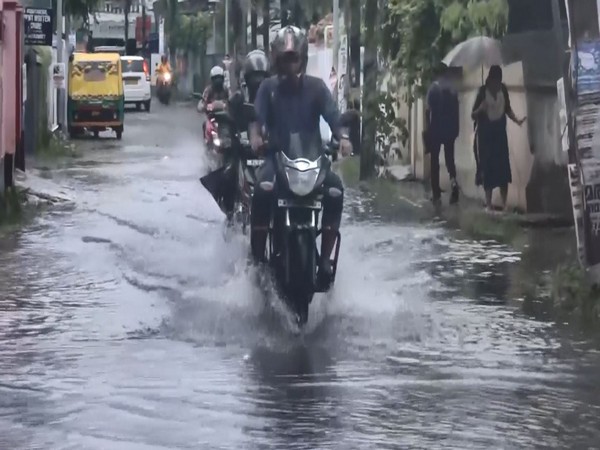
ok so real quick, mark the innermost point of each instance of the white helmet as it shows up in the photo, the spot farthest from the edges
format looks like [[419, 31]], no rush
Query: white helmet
[[217, 71]]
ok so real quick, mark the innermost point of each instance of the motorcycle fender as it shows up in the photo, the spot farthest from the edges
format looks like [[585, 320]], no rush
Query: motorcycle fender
[[301, 245]]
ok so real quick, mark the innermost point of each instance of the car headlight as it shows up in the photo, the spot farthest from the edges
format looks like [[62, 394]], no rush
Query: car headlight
[[302, 183]]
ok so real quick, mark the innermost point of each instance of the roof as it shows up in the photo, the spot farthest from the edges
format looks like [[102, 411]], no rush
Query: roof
[[80, 56]]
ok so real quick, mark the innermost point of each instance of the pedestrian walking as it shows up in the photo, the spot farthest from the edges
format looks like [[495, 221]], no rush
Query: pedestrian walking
[[490, 111], [441, 129]]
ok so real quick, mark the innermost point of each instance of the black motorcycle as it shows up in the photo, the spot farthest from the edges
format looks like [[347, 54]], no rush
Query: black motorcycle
[[292, 251], [232, 183]]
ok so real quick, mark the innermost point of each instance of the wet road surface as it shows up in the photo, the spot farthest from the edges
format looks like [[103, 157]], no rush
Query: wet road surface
[[128, 321]]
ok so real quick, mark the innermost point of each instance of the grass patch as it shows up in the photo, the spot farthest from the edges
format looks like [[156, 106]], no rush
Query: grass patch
[[349, 170], [56, 147], [574, 295], [481, 225], [11, 206]]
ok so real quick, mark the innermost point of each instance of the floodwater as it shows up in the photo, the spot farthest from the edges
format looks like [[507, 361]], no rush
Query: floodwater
[[129, 321]]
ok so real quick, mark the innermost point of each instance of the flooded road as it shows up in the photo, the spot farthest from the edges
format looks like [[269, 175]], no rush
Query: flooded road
[[128, 321]]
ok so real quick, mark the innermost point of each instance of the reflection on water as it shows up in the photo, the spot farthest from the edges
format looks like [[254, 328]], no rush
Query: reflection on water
[[132, 322]]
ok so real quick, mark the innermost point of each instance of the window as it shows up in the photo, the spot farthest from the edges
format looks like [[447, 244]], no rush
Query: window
[[133, 65], [529, 15]]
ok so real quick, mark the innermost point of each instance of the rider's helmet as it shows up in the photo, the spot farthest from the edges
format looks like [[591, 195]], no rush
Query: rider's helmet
[[217, 77], [163, 59], [256, 69], [290, 51]]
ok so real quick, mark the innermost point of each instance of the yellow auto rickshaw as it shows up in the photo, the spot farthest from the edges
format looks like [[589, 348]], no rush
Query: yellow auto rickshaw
[[96, 99]]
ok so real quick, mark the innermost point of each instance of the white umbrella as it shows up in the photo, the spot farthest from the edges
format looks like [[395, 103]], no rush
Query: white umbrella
[[475, 52]]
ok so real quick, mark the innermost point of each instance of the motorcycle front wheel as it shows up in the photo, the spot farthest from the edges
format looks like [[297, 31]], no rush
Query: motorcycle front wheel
[[302, 261]]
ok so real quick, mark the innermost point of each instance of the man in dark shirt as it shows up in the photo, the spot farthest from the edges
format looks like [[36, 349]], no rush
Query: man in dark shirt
[[292, 102], [442, 128]]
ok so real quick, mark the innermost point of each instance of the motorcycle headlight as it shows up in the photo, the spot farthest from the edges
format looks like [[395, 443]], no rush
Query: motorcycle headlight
[[302, 183], [167, 76]]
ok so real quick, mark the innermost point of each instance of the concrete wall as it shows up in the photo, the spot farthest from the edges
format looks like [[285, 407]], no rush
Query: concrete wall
[[540, 181], [521, 159], [547, 188]]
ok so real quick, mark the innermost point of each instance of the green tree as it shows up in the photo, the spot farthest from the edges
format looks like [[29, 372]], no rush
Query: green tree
[[79, 9], [191, 34], [417, 34], [169, 9]]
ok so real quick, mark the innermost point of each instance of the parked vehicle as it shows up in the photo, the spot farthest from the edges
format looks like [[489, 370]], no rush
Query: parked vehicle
[[136, 81], [96, 98]]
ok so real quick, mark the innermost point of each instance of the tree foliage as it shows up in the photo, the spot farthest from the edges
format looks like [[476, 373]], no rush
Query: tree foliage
[[417, 34], [191, 33], [79, 9]]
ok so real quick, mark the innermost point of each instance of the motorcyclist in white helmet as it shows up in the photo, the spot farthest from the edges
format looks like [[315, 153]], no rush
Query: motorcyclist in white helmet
[[216, 91]]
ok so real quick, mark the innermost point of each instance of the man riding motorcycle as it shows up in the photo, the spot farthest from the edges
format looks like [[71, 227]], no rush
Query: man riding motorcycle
[[214, 93], [293, 102], [255, 70], [163, 68], [163, 80]]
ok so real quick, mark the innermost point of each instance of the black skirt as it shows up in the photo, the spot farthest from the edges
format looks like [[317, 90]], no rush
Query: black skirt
[[494, 158]]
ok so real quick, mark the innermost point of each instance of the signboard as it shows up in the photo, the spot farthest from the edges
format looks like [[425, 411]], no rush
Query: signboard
[[24, 84], [161, 37], [562, 114], [38, 26], [58, 75]]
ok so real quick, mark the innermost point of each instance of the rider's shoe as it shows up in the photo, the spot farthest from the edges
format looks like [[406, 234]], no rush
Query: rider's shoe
[[325, 274]]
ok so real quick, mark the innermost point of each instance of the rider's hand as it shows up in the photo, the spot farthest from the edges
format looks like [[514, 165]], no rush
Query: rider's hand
[[257, 143], [345, 147]]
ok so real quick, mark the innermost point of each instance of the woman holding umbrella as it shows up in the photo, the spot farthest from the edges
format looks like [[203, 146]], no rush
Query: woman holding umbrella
[[490, 110]]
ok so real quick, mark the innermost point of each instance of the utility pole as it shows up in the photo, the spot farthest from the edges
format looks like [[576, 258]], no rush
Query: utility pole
[[226, 27], [370, 105], [266, 13], [336, 35], [62, 110], [253, 26], [144, 28]]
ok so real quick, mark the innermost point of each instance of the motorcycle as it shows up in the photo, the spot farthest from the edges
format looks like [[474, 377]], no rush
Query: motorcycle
[[164, 85], [292, 252], [219, 132], [232, 183]]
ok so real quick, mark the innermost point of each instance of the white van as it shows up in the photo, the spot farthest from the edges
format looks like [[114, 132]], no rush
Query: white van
[[136, 81]]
